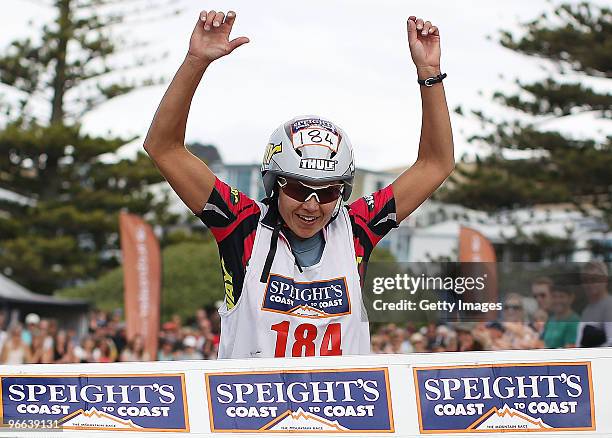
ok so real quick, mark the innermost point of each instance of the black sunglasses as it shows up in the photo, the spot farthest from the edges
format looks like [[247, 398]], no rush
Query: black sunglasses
[[301, 192], [513, 307]]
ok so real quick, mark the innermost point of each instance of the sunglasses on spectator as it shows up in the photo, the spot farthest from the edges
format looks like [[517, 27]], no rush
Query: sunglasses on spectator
[[513, 307], [301, 192], [541, 295]]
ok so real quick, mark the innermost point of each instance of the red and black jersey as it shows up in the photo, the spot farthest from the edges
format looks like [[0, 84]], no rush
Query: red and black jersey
[[372, 217], [232, 218]]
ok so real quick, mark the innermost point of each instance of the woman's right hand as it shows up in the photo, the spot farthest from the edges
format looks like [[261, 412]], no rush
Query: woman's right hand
[[210, 37]]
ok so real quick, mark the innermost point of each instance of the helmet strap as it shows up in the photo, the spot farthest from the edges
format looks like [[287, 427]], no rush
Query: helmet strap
[[336, 209], [271, 253]]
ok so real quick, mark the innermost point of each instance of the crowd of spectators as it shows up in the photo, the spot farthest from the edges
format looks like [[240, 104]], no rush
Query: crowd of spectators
[[544, 318], [40, 340]]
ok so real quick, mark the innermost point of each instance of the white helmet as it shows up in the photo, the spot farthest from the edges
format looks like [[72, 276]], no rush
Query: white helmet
[[309, 148]]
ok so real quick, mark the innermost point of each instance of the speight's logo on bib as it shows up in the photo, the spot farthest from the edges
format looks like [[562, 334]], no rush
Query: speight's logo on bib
[[143, 402], [312, 401], [505, 398], [317, 299]]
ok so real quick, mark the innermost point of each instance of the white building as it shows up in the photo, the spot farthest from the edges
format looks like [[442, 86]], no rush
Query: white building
[[432, 231]]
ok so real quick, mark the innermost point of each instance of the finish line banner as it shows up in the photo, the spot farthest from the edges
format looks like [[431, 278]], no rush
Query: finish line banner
[[300, 401], [511, 393], [505, 398], [97, 402]]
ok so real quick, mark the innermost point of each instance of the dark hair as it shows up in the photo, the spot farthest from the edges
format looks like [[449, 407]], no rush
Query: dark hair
[[496, 325], [543, 280]]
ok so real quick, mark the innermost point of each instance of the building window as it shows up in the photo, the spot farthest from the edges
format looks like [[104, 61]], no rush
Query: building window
[[243, 181]]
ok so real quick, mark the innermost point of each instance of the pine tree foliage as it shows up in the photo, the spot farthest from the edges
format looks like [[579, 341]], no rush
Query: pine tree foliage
[[63, 229], [576, 41]]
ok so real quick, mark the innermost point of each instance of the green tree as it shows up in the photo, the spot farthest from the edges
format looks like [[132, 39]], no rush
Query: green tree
[[65, 230], [574, 39], [189, 281]]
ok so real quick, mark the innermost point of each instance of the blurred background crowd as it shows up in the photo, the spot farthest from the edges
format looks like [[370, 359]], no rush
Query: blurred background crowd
[[544, 318], [41, 340]]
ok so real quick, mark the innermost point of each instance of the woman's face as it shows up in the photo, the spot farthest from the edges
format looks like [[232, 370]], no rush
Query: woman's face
[[138, 343], [305, 219], [513, 311]]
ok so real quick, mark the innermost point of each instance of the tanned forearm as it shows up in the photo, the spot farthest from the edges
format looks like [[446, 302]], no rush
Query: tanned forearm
[[170, 121], [436, 142]]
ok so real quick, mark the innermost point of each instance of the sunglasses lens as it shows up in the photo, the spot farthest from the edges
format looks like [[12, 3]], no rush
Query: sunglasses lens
[[329, 194], [300, 193], [296, 191]]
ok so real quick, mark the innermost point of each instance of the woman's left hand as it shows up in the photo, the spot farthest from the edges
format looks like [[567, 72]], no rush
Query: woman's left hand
[[424, 42]]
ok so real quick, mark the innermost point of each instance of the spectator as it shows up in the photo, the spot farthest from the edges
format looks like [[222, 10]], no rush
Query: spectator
[[492, 336], [540, 317], [3, 333], [37, 351], [399, 344], [63, 348], [15, 351], [171, 332], [595, 328], [210, 342], [465, 338], [166, 351], [446, 339], [118, 336], [52, 332], [517, 333], [178, 321], [45, 328], [87, 352], [135, 351], [108, 351], [541, 290], [431, 335], [378, 344], [31, 321], [419, 342], [562, 326], [190, 352]]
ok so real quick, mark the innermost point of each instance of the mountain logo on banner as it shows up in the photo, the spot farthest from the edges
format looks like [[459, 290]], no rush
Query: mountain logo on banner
[[508, 418], [92, 418], [303, 422]]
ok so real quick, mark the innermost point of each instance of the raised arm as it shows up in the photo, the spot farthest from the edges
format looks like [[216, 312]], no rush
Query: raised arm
[[190, 178], [435, 160]]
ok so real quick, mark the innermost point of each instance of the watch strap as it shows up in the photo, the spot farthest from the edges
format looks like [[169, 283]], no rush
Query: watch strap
[[432, 80]]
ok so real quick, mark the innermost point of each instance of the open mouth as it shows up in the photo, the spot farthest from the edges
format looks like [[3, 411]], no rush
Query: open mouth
[[307, 219]]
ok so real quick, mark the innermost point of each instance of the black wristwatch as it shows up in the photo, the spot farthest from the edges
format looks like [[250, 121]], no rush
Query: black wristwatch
[[432, 80]]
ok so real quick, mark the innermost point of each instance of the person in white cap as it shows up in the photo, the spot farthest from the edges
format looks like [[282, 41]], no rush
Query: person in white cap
[[31, 327], [293, 264], [190, 352]]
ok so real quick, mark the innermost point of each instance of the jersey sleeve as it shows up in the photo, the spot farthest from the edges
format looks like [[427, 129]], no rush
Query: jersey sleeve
[[372, 217], [232, 218]]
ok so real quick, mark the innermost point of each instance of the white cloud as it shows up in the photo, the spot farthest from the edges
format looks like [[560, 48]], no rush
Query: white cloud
[[346, 59]]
